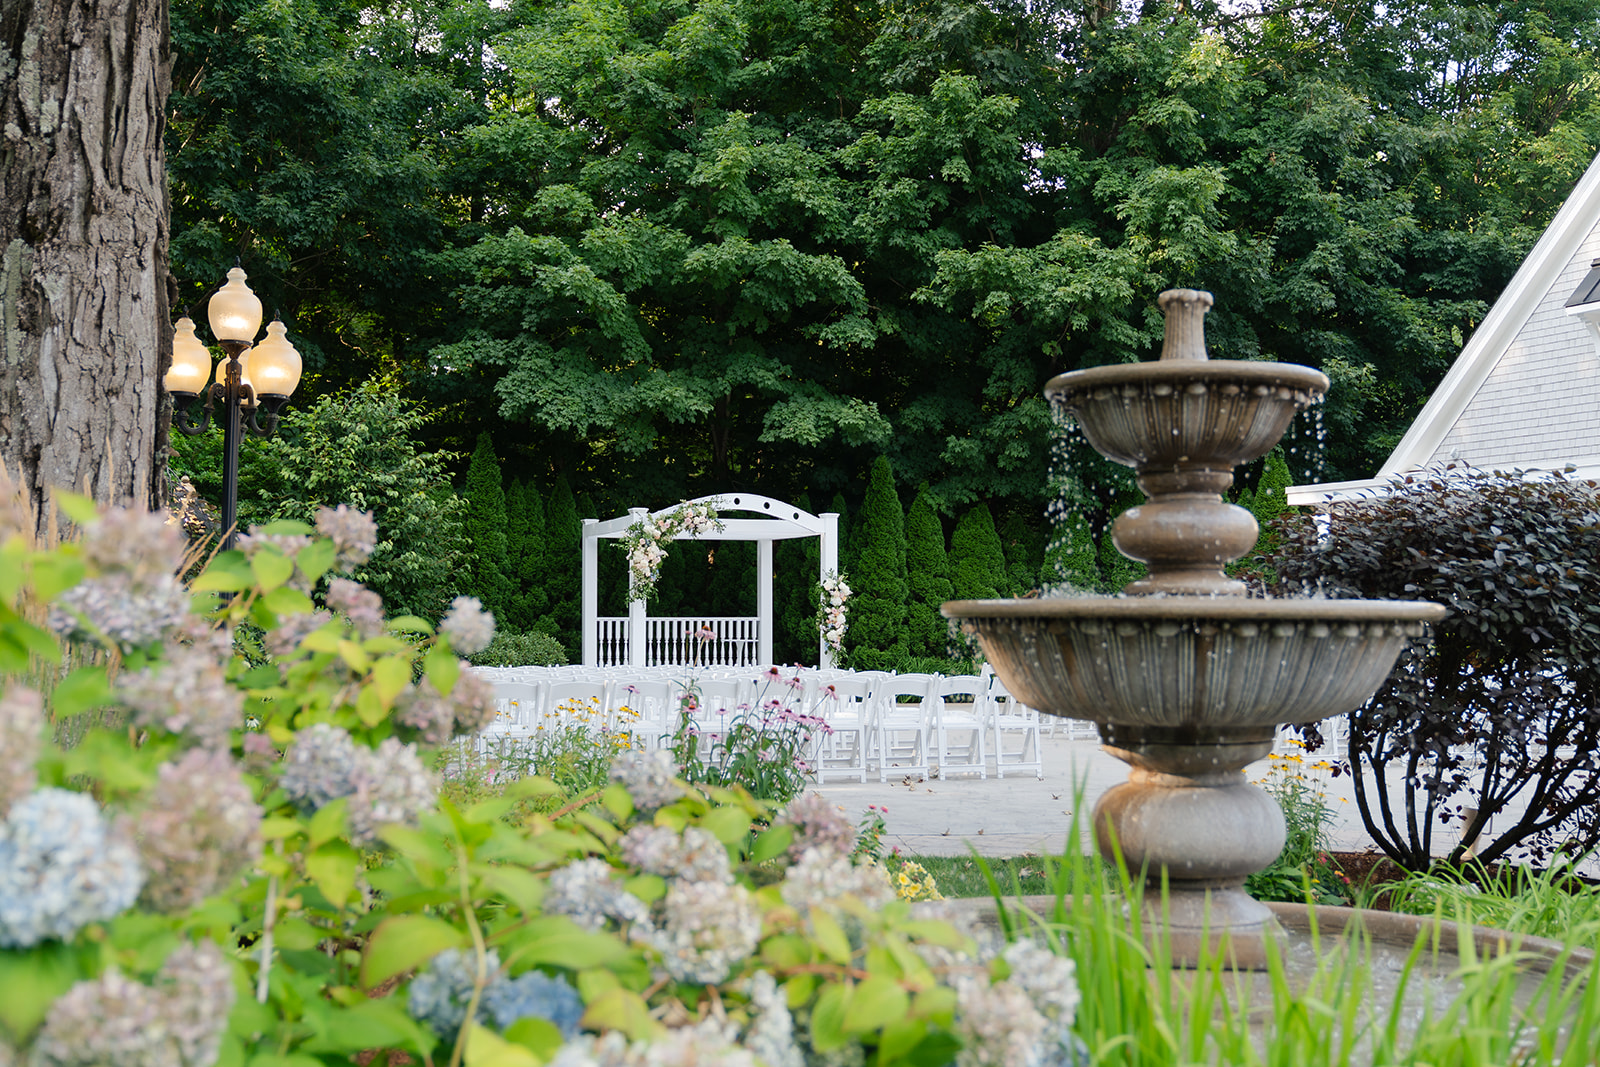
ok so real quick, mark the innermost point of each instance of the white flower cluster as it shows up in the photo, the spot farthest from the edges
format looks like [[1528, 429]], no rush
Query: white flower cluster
[[132, 597], [823, 877], [437, 718], [651, 778], [1021, 1021], [708, 928], [586, 892], [385, 785], [695, 855], [709, 1043], [21, 726], [188, 694], [833, 615], [114, 1020], [362, 606], [354, 534], [646, 541], [467, 626], [819, 823], [61, 867], [201, 830], [284, 639]]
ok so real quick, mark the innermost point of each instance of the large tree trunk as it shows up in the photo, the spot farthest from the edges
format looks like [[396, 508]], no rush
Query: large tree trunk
[[84, 330]]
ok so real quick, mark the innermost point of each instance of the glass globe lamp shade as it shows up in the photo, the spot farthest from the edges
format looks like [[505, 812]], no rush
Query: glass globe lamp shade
[[235, 312], [275, 363], [191, 363]]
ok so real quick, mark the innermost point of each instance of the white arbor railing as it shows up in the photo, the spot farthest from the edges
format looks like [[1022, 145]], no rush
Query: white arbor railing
[[682, 641]]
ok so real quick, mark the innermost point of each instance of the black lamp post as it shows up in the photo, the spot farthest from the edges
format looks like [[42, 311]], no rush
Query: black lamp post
[[252, 384]]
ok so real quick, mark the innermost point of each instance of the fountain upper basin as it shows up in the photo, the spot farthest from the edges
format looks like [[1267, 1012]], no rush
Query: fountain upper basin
[[1192, 662]]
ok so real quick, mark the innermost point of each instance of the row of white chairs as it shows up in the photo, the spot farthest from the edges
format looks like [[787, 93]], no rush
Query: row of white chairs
[[876, 722]]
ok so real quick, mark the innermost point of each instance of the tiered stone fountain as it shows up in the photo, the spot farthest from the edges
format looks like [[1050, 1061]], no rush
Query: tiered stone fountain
[[1187, 677]]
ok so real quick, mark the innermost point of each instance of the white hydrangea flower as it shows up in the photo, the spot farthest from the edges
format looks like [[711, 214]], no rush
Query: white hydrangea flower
[[587, 893], [709, 927]]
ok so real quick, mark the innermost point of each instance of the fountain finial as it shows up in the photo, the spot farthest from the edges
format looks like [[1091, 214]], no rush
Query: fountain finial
[[1185, 310]]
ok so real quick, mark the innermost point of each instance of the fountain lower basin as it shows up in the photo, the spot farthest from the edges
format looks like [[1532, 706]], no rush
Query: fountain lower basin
[[1192, 664], [1189, 690]]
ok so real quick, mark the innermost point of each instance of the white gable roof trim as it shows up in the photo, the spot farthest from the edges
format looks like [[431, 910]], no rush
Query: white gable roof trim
[[1571, 227]]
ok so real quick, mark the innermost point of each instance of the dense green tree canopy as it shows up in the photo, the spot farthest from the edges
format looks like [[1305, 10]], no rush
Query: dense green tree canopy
[[670, 248]]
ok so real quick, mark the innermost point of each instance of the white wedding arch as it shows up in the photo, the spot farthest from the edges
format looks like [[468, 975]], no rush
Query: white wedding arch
[[637, 640]]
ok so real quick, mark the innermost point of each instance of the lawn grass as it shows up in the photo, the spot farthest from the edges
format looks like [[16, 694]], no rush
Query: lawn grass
[[963, 876]]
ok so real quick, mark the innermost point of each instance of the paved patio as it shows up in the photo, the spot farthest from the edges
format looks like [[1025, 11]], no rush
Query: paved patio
[[1022, 814]]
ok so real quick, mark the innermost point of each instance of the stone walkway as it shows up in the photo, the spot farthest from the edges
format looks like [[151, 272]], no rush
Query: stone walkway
[[1017, 815]]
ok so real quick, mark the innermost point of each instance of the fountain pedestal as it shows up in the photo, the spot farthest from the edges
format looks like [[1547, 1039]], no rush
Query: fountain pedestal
[[1187, 677]]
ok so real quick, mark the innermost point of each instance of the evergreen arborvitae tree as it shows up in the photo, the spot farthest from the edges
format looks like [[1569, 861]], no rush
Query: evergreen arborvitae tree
[[1072, 559], [516, 551], [847, 538], [486, 528], [928, 576], [797, 562], [876, 637], [1023, 546], [564, 565], [1116, 569], [526, 548], [977, 562]]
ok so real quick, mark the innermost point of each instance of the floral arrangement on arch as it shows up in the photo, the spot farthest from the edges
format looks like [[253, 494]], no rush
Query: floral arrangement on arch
[[833, 614], [646, 541]]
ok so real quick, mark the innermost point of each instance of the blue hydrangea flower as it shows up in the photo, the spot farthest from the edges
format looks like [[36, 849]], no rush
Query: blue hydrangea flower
[[61, 868], [534, 994], [439, 995]]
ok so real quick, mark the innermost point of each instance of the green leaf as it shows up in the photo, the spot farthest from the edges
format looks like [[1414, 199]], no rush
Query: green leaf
[[485, 1048], [271, 569], [558, 941], [728, 825], [410, 624], [51, 575], [333, 867], [617, 801], [539, 1035], [900, 1037], [369, 1024], [830, 936], [877, 1001], [355, 657], [83, 690], [405, 942], [369, 709], [328, 822], [518, 885], [75, 506], [827, 1018], [285, 601], [30, 980], [315, 559], [442, 668], [624, 1010], [391, 675], [227, 573], [775, 842], [34, 641]]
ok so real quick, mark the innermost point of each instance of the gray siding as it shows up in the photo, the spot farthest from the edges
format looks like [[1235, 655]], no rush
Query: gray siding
[[1540, 405]]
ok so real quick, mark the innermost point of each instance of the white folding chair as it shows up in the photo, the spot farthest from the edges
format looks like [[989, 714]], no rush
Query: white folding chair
[[574, 704], [1009, 716], [902, 729], [962, 718], [647, 708], [846, 704]]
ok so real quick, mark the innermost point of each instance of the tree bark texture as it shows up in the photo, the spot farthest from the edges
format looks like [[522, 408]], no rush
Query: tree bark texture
[[84, 215]]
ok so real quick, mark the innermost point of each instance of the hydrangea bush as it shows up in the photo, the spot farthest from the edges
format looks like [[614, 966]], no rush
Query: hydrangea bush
[[249, 863]]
